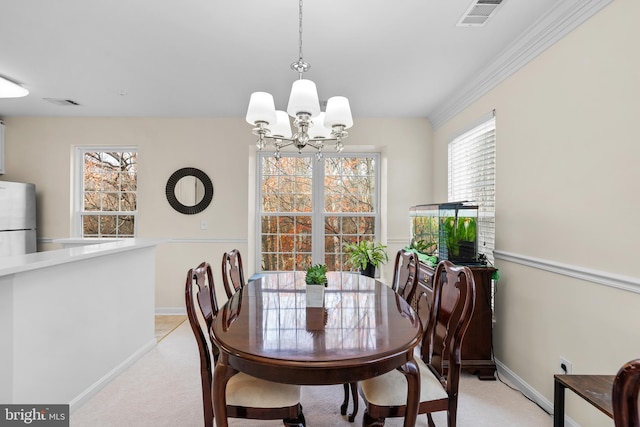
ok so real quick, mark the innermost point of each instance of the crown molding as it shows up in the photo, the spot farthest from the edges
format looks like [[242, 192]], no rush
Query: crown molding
[[563, 18]]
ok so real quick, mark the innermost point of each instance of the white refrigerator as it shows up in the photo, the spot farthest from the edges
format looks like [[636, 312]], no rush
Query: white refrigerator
[[17, 218]]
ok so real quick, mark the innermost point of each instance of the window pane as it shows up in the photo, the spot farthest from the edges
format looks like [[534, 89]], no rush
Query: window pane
[[110, 201], [125, 226], [128, 202], [90, 226], [350, 184], [349, 225], [108, 225], [343, 185], [332, 225], [109, 185], [269, 261], [303, 242], [286, 242]]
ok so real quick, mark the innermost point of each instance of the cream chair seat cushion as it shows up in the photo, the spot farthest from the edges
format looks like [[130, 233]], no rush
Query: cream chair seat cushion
[[248, 391], [390, 389]]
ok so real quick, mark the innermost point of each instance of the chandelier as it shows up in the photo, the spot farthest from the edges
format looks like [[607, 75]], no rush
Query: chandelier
[[313, 127]]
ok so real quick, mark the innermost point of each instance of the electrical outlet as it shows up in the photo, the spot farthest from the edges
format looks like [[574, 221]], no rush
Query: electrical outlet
[[203, 225], [565, 366]]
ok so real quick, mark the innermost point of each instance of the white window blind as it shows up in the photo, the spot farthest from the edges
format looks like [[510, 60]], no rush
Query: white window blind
[[472, 161]]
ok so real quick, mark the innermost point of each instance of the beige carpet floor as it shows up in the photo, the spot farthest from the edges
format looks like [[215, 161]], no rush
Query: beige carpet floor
[[163, 389]]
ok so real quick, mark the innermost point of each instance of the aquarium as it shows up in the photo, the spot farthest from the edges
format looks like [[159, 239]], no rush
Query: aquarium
[[446, 230]]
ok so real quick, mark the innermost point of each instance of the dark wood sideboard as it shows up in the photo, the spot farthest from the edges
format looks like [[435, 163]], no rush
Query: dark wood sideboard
[[477, 357]]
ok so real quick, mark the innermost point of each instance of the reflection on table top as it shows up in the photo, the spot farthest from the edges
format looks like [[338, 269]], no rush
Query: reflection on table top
[[361, 318]]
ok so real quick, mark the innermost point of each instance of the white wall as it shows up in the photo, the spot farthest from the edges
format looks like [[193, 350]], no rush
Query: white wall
[[567, 193], [39, 150]]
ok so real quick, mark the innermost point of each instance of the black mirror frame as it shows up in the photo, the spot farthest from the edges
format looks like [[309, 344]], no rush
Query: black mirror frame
[[171, 193]]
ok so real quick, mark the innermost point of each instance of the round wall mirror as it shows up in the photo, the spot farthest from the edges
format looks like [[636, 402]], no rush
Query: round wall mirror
[[189, 191]]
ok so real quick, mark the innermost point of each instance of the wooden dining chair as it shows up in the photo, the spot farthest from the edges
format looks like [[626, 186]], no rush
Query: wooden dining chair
[[404, 283], [625, 394], [405, 274], [247, 397], [232, 272], [453, 303]]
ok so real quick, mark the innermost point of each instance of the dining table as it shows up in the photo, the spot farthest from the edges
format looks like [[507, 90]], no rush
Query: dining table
[[364, 329]]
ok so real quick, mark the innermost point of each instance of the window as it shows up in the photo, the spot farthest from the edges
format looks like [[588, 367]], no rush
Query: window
[[308, 208], [472, 178], [106, 192]]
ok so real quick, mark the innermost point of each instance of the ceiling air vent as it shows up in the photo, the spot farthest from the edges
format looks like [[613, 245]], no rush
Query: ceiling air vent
[[61, 101], [479, 13]]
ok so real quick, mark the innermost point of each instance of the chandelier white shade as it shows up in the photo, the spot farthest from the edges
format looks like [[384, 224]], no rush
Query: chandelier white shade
[[319, 130], [9, 89], [303, 99], [313, 127], [282, 127], [261, 108], [338, 112]]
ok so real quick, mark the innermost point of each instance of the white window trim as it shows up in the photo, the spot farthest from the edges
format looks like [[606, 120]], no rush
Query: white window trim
[[318, 200], [78, 186]]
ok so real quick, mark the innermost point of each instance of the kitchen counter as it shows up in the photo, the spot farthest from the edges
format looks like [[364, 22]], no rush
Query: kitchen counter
[[72, 319], [21, 263]]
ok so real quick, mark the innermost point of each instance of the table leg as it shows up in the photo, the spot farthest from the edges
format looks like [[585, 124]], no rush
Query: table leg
[[410, 370], [221, 375], [558, 404]]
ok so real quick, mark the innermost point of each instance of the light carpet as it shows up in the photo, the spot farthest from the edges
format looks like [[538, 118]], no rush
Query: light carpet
[[163, 389]]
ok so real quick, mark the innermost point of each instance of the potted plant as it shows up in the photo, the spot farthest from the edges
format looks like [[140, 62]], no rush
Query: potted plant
[[316, 280], [366, 256]]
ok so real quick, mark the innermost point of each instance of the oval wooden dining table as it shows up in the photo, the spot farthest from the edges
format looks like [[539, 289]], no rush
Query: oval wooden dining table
[[364, 330]]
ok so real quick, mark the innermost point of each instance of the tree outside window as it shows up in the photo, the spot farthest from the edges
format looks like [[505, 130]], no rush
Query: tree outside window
[[109, 193], [309, 209]]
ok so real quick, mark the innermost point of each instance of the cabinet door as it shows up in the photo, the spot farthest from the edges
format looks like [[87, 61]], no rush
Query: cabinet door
[[423, 297]]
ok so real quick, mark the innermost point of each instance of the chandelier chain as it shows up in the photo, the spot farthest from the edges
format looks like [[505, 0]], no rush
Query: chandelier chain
[[300, 66], [300, 30]]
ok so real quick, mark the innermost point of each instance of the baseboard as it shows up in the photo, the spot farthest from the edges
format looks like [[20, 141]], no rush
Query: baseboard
[[110, 376], [530, 392], [161, 311]]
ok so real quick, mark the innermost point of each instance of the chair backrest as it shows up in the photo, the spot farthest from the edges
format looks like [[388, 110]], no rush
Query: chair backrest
[[232, 272], [453, 303], [405, 274], [625, 395], [200, 287]]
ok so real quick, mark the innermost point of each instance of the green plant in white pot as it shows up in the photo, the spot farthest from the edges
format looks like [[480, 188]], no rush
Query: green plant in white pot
[[316, 280], [366, 256]]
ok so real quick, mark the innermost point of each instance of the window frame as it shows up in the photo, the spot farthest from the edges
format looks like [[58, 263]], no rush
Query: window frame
[[317, 215], [78, 190], [486, 213]]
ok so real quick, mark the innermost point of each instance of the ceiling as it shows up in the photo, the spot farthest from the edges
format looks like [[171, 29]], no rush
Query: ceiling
[[197, 58]]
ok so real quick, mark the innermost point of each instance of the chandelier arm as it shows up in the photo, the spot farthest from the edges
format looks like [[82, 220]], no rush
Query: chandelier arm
[[318, 144], [280, 142]]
